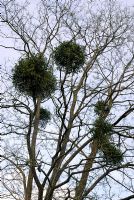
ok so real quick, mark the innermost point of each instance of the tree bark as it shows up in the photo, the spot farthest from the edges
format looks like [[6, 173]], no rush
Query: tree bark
[[88, 165], [29, 185], [32, 154]]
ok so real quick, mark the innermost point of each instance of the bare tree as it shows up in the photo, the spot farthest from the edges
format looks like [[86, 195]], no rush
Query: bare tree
[[85, 151]]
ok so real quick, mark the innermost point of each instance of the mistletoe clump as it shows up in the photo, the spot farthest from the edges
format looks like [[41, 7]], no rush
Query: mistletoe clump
[[102, 132], [101, 107], [111, 153], [45, 116], [102, 129], [69, 56], [32, 77]]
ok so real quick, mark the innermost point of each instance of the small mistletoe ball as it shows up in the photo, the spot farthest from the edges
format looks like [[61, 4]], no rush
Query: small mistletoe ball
[[32, 77], [101, 129], [101, 107], [69, 56], [45, 116], [112, 154]]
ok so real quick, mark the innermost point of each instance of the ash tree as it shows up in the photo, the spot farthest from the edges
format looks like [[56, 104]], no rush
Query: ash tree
[[67, 100]]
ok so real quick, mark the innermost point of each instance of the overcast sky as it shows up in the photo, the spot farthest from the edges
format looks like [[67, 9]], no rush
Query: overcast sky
[[7, 54]]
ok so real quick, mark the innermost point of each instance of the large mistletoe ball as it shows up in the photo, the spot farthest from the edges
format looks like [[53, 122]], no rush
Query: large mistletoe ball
[[69, 56], [32, 77]]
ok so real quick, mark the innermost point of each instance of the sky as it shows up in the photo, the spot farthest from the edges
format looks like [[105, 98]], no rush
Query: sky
[[7, 55], [128, 2]]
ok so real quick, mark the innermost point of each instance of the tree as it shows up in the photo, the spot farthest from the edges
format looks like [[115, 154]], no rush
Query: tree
[[67, 102]]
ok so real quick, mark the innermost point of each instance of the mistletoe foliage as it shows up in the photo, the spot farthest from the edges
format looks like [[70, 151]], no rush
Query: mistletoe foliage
[[112, 155], [101, 107], [69, 56], [102, 131], [45, 116], [32, 77]]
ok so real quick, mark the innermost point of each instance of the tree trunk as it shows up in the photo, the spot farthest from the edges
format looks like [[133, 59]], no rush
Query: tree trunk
[[88, 165], [32, 154], [29, 185]]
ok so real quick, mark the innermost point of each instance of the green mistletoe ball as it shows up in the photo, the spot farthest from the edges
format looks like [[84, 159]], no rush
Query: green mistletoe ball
[[102, 129], [69, 56], [45, 115], [32, 77], [112, 154]]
